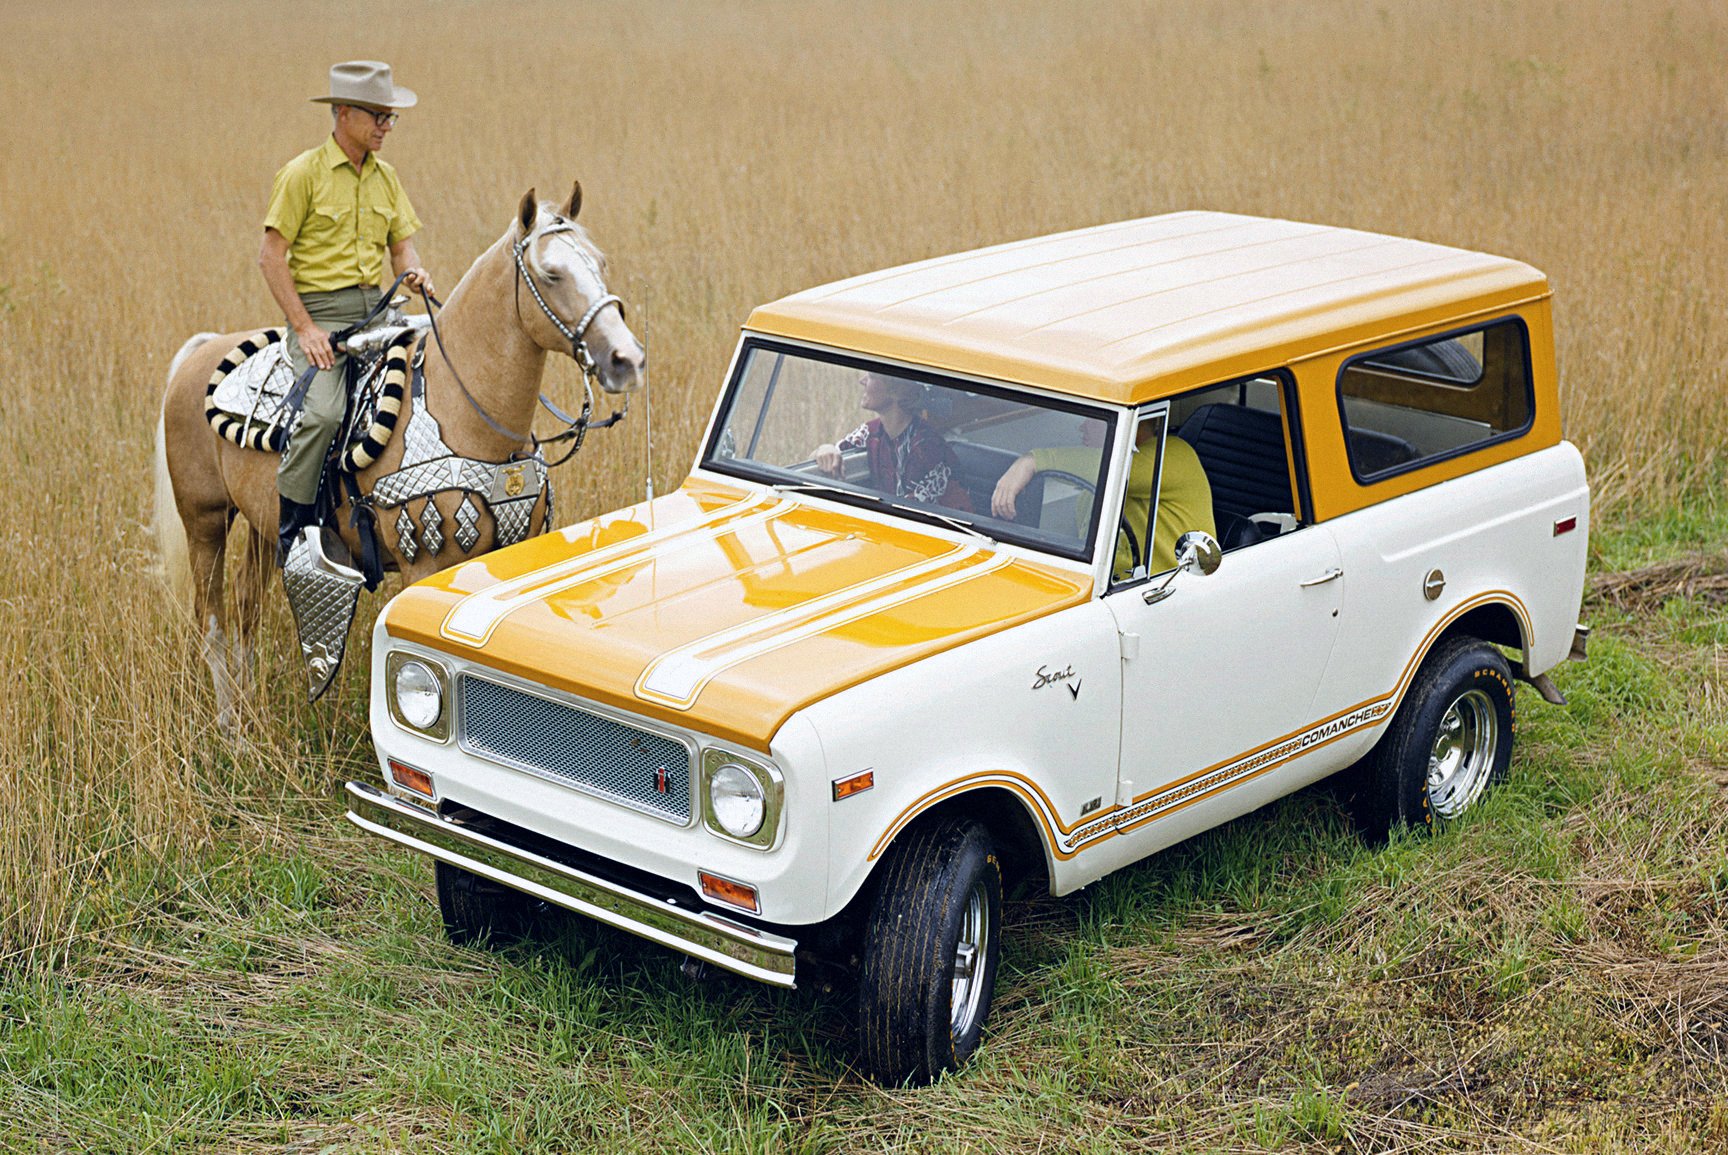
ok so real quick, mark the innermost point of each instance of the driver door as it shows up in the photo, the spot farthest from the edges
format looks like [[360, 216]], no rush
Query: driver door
[[1221, 672]]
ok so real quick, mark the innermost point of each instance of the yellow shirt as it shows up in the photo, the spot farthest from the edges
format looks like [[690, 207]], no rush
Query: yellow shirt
[[1184, 498], [338, 221]]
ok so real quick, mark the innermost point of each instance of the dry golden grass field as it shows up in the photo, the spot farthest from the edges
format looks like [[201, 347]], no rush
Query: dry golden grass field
[[197, 954]]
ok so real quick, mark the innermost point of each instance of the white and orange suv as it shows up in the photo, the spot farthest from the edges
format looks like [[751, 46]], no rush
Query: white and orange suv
[[1020, 563]]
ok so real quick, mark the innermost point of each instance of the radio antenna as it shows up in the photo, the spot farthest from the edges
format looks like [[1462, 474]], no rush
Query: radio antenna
[[647, 399]]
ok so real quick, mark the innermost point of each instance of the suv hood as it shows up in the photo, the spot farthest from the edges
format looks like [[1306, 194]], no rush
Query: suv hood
[[724, 608]]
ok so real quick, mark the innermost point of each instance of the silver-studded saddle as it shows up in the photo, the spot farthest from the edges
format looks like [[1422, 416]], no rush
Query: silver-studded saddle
[[324, 600]]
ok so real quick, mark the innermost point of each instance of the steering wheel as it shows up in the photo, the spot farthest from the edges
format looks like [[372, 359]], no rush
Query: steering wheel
[[1122, 525], [1073, 479], [1134, 553], [1032, 517]]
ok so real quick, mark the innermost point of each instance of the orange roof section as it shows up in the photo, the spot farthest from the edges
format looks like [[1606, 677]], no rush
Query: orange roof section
[[1143, 309]]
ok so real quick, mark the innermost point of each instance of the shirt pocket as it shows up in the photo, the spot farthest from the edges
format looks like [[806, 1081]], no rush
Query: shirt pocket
[[375, 225], [331, 216]]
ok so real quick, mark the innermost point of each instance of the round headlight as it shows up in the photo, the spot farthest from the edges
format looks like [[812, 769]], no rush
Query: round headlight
[[419, 698], [737, 799]]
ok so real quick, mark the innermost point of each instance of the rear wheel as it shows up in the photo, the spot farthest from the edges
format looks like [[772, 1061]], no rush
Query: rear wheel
[[930, 952], [1449, 741], [476, 909]]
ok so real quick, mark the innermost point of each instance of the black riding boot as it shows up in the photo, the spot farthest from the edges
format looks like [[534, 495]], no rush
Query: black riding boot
[[293, 518]]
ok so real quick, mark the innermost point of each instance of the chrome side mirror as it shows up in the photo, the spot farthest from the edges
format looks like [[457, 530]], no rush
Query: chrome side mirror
[[1197, 552]]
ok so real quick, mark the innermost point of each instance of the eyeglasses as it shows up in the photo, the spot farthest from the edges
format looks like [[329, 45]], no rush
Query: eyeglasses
[[382, 118]]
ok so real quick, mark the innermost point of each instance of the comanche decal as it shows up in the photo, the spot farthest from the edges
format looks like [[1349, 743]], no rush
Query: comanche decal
[[1234, 773], [1066, 841]]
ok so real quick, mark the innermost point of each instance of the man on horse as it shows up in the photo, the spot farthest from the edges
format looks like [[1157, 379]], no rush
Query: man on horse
[[334, 210]]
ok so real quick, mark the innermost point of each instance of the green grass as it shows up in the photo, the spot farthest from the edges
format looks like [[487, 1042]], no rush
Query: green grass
[[1550, 974]]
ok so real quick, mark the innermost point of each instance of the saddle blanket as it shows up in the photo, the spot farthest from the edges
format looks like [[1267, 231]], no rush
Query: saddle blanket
[[257, 387], [256, 390]]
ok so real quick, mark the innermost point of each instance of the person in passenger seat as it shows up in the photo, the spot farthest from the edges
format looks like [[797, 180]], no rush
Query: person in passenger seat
[[907, 457], [1185, 497]]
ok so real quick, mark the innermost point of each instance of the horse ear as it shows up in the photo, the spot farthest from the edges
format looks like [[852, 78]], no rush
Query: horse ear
[[575, 205], [528, 211]]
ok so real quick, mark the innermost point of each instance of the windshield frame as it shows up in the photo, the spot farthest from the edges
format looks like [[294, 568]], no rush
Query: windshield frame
[[981, 524]]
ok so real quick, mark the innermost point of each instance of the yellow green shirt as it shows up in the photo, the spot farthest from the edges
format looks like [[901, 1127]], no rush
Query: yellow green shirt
[[338, 221], [1184, 497]]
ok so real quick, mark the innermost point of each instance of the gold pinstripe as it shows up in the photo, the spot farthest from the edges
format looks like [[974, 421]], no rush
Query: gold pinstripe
[[1186, 791]]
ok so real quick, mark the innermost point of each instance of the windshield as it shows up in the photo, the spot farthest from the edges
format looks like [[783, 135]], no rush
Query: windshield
[[1013, 466]]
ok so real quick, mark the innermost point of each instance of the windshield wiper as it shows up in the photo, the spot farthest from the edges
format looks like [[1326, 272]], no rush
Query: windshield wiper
[[944, 519], [880, 499], [823, 487]]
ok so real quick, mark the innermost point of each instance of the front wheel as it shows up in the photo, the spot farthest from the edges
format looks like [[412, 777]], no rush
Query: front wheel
[[1450, 740], [476, 909], [930, 952]]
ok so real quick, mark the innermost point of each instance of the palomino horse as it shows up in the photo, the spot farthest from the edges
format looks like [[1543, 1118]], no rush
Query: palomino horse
[[497, 327]]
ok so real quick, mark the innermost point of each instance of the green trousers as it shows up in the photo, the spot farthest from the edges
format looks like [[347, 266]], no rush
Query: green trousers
[[326, 398]]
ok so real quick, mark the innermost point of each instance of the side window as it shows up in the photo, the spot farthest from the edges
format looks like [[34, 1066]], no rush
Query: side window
[[1224, 469], [1411, 404], [1232, 439]]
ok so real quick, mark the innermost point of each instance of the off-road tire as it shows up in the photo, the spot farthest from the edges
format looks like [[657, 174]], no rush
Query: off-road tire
[[906, 1005], [476, 909], [1463, 687]]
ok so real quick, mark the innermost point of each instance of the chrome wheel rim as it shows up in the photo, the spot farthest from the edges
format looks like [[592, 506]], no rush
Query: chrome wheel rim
[[967, 992], [1462, 760]]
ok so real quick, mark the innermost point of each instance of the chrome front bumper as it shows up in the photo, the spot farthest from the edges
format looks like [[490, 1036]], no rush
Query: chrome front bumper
[[726, 944]]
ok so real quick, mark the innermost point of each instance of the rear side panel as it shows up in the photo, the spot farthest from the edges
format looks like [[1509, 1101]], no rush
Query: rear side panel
[[1499, 536]]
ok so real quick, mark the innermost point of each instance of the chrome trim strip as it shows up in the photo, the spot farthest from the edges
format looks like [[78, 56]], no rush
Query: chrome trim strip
[[726, 944]]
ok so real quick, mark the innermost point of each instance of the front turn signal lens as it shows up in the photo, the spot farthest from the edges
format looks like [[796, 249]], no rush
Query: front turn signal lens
[[731, 893], [411, 778]]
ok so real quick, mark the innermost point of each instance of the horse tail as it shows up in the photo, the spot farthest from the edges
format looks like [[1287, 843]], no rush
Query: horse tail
[[172, 565]]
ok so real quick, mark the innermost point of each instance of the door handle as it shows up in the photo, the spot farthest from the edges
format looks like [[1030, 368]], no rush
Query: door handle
[[1332, 574]]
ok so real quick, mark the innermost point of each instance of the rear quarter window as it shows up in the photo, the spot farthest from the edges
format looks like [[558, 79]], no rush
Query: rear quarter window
[[1407, 405]]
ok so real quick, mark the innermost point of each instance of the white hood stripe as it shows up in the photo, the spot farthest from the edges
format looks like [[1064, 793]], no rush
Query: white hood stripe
[[677, 678], [472, 620]]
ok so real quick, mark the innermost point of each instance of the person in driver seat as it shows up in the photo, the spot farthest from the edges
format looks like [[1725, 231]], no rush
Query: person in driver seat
[[1185, 496], [907, 457]]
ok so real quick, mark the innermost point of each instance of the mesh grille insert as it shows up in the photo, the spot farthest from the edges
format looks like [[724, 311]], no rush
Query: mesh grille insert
[[644, 771]]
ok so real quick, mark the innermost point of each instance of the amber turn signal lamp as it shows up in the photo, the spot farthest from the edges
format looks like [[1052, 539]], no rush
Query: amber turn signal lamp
[[729, 892], [406, 776], [856, 784]]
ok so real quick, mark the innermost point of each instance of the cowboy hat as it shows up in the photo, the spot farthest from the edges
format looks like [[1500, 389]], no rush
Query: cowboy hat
[[366, 82]]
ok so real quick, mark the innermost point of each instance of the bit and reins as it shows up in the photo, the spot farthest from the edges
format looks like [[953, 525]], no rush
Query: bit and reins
[[576, 426]]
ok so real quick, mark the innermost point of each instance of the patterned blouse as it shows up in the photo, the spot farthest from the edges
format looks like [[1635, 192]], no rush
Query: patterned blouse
[[917, 464]]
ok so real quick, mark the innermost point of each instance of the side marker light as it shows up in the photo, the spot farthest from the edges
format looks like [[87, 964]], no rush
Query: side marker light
[[856, 784], [1565, 525]]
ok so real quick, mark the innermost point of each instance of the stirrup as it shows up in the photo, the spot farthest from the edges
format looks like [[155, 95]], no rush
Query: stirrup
[[314, 536], [323, 599]]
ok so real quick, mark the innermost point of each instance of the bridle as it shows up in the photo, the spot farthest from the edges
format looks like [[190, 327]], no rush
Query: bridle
[[578, 346], [575, 427]]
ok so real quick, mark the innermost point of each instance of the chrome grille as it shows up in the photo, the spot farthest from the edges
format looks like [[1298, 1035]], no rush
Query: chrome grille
[[644, 771]]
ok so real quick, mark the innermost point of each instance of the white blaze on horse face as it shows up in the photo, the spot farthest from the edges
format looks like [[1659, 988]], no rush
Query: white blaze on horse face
[[569, 255]]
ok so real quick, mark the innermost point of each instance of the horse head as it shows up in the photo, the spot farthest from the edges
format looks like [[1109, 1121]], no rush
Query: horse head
[[564, 274]]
